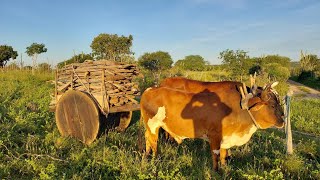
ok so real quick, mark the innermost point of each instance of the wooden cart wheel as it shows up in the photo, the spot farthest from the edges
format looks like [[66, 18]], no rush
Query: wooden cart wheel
[[125, 119], [77, 115]]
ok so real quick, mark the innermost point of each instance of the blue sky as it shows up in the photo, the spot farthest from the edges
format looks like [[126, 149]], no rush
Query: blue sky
[[180, 27]]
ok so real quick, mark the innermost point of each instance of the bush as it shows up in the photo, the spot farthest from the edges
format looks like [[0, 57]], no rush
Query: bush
[[304, 75], [277, 72]]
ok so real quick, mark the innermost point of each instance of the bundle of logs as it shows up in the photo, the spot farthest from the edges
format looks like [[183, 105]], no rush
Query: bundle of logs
[[110, 83]]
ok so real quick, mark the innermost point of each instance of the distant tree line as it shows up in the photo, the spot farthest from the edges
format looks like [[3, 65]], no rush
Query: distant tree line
[[7, 53], [118, 48]]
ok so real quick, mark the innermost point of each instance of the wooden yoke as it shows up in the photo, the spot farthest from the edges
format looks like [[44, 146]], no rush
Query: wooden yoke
[[244, 103], [245, 96]]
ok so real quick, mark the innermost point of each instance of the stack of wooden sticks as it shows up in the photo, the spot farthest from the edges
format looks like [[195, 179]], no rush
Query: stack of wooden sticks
[[105, 80]]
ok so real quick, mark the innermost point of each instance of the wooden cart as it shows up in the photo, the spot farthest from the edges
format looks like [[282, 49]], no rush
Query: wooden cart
[[90, 93]]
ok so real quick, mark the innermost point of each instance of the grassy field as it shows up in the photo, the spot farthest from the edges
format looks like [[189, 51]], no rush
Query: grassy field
[[32, 148]]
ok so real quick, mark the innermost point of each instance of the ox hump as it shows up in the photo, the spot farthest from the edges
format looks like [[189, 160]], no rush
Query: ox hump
[[157, 120]]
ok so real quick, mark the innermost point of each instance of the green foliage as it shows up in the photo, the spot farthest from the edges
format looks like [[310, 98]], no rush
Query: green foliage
[[79, 58], [192, 63], [213, 75], [111, 46], [308, 81], [282, 60], [305, 115], [235, 62], [6, 53], [34, 49], [156, 61], [277, 72], [309, 62], [309, 71], [146, 81]]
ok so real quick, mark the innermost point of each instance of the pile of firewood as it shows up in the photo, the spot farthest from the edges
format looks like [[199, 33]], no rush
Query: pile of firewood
[[100, 79]]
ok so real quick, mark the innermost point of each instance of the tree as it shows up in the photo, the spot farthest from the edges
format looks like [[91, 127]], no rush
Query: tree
[[80, 58], [236, 62], [282, 60], [192, 62], [111, 46], [156, 62], [33, 51], [6, 53], [277, 72], [309, 62]]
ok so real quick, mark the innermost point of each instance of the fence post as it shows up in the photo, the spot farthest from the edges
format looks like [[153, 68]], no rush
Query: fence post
[[288, 124]]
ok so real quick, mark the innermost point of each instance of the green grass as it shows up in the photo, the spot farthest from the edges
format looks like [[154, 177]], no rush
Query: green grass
[[32, 148], [305, 115], [214, 75]]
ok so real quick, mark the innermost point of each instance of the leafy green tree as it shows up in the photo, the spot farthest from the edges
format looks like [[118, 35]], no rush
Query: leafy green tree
[[309, 62], [192, 62], [277, 71], [236, 62], [79, 58], [282, 60], [6, 53], [156, 62], [33, 51], [111, 46], [259, 64]]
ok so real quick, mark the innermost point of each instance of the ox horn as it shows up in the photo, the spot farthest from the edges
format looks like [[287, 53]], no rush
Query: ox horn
[[245, 96], [253, 85], [274, 84]]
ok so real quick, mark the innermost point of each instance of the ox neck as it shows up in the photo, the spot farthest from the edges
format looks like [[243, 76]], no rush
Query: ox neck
[[254, 120]]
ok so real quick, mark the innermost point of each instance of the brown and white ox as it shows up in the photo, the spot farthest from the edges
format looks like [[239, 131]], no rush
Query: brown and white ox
[[214, 114]]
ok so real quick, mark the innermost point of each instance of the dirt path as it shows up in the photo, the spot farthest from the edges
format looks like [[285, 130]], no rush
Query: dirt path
[[303, 91]]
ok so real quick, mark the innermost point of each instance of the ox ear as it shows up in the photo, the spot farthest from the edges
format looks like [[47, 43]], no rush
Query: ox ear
[[257, 106], [253, 101]]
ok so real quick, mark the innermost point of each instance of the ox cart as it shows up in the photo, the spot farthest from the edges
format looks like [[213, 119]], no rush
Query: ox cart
[[88, 95]]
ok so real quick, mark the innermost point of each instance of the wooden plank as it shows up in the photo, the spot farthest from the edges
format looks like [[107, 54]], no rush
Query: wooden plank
[[65, 87], [124, 108]]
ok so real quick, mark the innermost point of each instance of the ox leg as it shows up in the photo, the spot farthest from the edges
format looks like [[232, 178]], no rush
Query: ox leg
[[151, 141], [223, 156], [215, 151]]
